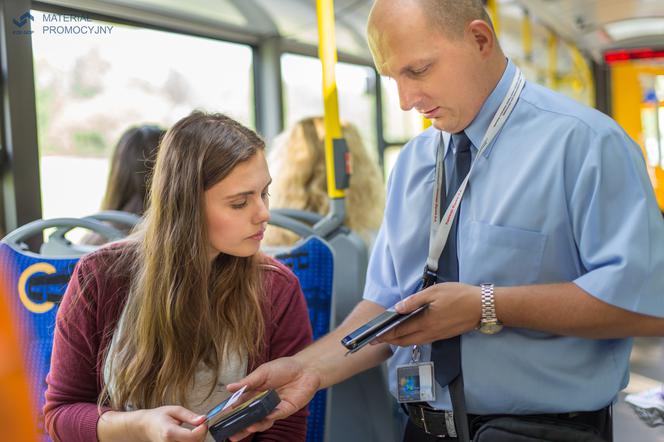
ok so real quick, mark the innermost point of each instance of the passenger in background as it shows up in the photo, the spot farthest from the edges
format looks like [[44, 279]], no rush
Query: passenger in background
[[128, 178], [297, 162], [131, 164], [152, 328]]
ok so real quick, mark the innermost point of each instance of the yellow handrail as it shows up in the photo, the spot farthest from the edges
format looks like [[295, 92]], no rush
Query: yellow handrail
[[327, 52], [493, 8]]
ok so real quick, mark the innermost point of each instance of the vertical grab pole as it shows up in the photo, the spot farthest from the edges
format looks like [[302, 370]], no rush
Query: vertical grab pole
[[337, 157]]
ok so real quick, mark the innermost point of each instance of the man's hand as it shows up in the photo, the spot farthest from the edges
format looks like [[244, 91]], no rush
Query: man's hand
[[295, 384], [454, 309]]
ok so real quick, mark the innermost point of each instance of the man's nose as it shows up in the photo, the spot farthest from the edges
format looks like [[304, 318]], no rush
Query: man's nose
[[407, 96]]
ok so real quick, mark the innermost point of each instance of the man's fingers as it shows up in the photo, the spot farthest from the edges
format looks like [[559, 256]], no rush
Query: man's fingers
[[239, 436], [261, 426], [411, 325], [415, 301], [253, 381], [419, 338], [258, 427]]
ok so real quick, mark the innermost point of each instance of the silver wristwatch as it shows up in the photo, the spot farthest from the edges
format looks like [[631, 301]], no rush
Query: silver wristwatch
[[489, 323]]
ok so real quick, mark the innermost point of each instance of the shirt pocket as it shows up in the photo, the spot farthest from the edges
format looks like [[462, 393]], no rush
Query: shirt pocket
[[500, 255]]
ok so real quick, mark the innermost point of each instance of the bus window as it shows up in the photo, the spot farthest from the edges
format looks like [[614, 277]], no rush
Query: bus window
[[302, 78], [91, 87], [398, 125]]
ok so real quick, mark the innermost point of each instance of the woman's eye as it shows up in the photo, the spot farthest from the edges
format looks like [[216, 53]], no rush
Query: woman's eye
[[239, 205], [265, 194]]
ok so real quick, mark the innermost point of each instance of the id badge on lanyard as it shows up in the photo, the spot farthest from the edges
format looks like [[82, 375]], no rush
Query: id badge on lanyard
[[415, 381]]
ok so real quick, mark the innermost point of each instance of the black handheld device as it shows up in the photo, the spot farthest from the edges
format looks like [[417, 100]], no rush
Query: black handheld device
[[225, 423], [375, 328]]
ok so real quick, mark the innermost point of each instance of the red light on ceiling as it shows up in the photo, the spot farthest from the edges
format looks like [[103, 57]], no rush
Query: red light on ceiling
[[632, 54]]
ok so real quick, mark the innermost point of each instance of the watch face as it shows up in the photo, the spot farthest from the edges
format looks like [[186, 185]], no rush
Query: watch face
[[491, 328]]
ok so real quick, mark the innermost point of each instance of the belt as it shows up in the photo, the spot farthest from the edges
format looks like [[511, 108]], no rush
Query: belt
[[440, 423]]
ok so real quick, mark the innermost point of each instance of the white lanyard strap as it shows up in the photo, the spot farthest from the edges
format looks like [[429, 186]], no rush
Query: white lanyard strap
[[440, 229]]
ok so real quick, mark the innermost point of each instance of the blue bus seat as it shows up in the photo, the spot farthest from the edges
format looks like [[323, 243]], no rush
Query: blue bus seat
[[35, 284], [312, 262], [332, 270]]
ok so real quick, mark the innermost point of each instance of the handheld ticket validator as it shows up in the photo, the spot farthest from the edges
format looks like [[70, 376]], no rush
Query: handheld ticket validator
[[224, 423], [376, 328]]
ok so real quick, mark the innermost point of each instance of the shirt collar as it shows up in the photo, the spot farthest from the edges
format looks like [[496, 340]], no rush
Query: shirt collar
[[478, 127]]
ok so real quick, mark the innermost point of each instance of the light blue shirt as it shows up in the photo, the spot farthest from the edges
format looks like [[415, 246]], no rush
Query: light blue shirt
[[561, 195]]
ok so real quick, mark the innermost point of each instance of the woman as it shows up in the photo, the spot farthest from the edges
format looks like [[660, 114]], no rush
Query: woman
[[129, 175], [298, 159], [152, 328], [131, 163]]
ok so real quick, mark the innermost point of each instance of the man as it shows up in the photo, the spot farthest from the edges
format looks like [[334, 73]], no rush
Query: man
[[558, 215]]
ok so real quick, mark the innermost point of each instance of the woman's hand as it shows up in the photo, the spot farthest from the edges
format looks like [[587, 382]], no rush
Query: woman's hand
[[163, 424]]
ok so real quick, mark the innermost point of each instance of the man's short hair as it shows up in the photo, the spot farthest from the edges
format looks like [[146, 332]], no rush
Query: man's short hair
[[450, 17]]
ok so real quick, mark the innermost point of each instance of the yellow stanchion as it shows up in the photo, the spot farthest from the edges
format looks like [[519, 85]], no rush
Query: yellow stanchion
[[492, 7], [527, 37], [552, 68], [327, 53], [425, 123], [581, 65]]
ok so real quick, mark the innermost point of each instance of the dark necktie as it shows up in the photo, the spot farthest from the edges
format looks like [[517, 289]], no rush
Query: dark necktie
[[446, 353]]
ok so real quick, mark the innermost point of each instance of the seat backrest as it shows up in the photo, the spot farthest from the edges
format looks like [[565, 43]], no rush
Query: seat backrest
[[331, 271], [312, 262], [35, 286]]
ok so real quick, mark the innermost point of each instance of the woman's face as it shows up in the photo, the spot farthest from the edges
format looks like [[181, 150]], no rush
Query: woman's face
[[237, 209]]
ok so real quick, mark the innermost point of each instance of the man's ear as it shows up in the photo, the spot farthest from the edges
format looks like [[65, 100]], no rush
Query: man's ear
[[482, 37]]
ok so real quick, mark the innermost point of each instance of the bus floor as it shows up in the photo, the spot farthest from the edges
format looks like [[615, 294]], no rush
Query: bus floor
[[646, 371]]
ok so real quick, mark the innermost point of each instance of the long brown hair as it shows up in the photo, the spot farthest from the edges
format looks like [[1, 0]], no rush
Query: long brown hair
[[181, 308], [131, 166]]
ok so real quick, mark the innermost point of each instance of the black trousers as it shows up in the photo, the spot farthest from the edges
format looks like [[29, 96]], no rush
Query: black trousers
[[600, 419]]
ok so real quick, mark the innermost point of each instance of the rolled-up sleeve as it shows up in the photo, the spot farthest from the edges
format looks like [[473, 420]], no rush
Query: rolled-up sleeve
[[618, 228]]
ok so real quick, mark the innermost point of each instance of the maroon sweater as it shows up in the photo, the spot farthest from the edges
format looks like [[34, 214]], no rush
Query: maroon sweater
[[84, 329]]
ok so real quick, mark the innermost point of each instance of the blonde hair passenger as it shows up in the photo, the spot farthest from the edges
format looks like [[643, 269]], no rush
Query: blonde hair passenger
[[297, 162]]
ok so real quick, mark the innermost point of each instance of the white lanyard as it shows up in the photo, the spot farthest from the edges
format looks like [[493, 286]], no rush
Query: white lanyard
[[440, 229]]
